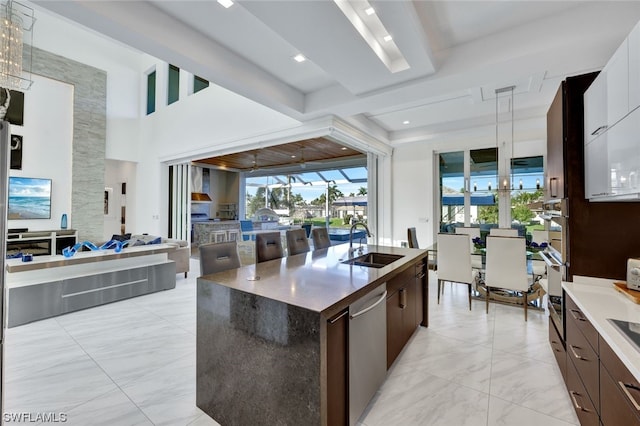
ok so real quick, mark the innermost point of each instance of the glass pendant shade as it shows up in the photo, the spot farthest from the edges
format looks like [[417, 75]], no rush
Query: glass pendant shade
[[11, 39]]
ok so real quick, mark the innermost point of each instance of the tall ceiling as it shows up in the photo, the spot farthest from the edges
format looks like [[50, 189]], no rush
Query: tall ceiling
[[458, 52]]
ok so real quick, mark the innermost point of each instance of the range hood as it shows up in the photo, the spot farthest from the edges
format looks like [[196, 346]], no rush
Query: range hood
[[200, 197]]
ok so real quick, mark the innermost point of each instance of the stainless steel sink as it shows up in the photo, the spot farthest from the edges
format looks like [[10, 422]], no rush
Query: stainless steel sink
[[373, 260]]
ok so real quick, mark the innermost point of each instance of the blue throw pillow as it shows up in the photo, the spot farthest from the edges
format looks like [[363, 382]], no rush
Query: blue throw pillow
[[158, 240]]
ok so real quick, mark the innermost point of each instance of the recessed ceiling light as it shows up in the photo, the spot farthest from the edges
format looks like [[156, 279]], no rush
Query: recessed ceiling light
[[373, 31], [369, 11], [293, 156], [344, 148], [387, 38], [299, 58], [225, 3], [406, 122]]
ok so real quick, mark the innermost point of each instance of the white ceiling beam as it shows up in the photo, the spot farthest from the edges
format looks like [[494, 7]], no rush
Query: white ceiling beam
[[144, 27]]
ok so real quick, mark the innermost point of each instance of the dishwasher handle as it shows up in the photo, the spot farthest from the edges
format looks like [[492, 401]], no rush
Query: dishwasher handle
[[365, 310]]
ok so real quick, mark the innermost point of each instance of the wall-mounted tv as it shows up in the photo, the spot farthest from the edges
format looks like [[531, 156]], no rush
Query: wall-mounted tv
[[29, 198]]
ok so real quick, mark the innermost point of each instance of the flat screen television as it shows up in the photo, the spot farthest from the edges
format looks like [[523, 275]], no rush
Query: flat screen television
[[29, 198]]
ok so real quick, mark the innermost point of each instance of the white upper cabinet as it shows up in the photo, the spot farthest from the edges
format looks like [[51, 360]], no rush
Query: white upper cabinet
[[634, 68], [617, 90], [623, 155], [596, 177], [612, 126], [595, 108]]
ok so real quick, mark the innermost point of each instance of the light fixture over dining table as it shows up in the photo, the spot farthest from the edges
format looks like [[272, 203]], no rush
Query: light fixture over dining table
[[16, 38]]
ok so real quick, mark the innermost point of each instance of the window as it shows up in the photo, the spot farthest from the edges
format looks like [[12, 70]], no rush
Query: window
[[527, 177], [151, 92], [468, 188], [199, 83], [470, 195], [302, 197], [173, 89]]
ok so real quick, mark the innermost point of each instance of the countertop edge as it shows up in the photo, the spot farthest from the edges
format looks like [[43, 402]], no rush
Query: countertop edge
[[346, 301], [628, 354], [234, 279], [56, 261]]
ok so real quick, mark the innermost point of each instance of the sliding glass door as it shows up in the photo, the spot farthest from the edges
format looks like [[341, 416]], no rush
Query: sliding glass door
[[468, 188], [472, 194]]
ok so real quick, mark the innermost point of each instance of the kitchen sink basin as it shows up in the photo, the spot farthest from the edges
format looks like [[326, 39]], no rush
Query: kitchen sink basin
[[373, 260]]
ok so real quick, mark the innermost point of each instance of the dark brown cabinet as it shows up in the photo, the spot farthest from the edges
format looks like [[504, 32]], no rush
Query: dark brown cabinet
[[582, 403], [405, 308], [558, 349], [582, 356], [602, 390], [619, 390], [565, 178], [337, 369]]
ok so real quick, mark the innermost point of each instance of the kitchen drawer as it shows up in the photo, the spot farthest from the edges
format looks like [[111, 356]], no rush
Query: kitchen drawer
[[401, 280], [558, 349], [581, 402], [618, 406], [575, 315], [585, 360]]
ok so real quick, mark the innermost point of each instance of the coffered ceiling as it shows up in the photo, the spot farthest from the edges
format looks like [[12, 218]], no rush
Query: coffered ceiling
[[458, 53]]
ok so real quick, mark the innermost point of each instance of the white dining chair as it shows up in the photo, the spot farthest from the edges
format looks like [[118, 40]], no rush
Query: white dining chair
[[472, 232], [503, 232], [454, 261], [506, 267]]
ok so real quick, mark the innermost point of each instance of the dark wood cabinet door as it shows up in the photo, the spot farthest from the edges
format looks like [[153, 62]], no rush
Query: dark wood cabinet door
[[409, 294], [395, 340], [619, 390], [420, 283], [337, 369], [616, 408], [585, 360], [554, 184], [585, 410], [558, 349]]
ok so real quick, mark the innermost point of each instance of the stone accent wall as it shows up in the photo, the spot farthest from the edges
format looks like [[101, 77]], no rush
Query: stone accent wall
[[89, 137]]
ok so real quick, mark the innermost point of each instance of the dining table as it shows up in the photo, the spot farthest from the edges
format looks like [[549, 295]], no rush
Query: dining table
[[534, 258]]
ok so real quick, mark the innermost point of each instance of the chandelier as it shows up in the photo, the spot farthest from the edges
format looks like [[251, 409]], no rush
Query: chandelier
[[504, 134], [16, 22]]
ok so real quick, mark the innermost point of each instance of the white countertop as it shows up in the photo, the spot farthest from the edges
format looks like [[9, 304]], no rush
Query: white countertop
[[598, 300]]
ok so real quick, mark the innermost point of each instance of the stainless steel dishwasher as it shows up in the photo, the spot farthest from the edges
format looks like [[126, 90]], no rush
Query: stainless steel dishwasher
[[367, 349]]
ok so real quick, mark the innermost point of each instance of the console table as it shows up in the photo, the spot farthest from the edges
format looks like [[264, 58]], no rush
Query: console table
[[53, 285], [40, 243]]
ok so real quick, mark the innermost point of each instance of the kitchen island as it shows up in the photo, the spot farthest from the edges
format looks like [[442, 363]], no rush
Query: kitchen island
[[273, 338]]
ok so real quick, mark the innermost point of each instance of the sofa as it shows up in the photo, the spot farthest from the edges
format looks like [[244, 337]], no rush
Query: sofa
[[180, 256]]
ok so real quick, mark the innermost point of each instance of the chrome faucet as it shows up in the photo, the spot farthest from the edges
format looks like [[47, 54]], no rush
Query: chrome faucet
[[351, 249]]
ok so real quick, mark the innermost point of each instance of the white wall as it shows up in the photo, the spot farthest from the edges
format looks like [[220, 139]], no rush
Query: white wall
[[121, 63], [46, 153], [117, 173], [202, 122], [224, 189]]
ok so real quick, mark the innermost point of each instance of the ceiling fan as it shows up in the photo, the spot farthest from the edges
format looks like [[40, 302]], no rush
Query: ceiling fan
[[254, 167]]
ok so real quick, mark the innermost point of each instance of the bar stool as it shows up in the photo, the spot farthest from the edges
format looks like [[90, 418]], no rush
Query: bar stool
[[218, 236], [233, 234]]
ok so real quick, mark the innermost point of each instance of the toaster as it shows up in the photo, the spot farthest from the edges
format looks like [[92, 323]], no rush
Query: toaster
[[633, 274]]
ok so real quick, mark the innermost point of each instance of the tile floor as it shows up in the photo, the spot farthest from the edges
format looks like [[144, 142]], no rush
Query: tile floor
[[133, 363]]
